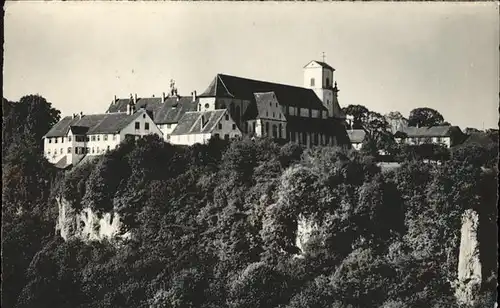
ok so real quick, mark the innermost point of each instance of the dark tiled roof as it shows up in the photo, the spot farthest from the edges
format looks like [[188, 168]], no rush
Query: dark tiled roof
[[93, 124], [323, 64], [163, 113], [356, 135], [172, 110], [120, 105], [61, 128], [480, 138], [190, 123], [113, 123], [243, 88], [434, 131]]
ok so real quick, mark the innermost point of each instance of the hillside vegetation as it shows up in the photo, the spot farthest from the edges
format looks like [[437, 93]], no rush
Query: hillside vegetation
[[215, 225]]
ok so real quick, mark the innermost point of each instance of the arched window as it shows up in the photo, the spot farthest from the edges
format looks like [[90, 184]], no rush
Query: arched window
[[312, 82], [267, 128], [275, 131]]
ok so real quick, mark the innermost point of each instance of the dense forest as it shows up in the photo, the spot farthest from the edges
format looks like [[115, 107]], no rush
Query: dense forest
[[215, 225]]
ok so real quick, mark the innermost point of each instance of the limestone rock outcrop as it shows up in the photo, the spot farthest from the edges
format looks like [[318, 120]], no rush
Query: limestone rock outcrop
[[88, 225], [469, 266]]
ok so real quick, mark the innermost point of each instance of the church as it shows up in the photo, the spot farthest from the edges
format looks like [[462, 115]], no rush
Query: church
[[309, 115], [230, 107]]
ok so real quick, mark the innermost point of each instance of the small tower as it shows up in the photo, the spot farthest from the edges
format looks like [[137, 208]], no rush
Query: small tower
[[131, 104], [318, 76]]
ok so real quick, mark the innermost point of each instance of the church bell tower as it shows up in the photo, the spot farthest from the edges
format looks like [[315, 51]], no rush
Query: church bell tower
[[318, 76]]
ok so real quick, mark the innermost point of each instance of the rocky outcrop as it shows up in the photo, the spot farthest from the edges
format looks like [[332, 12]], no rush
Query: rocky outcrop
[[88, 225], [305, 227], [469, 266]]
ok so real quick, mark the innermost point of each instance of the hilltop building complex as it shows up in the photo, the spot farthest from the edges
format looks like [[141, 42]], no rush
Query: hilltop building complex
[[230, 107]]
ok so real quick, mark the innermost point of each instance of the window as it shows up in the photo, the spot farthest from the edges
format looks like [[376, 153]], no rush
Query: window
[[253, 129], [267, 114], [234, 126], [61, 151], [168, 137], [327, 81], [226, 137], [98, 137], [207, 106], [217, 136], [275, 131], [312, 82], [274, 115], [55, 139], [144, 116], [292, 136], [108, 147], [50, 140], [69, 150], [279, 131], [93, 138], [227, 117], [48, 152], [69, 138], [93, 151], [87, 138], [219, 126], [87, 150], [114, 137], [137, 125], [62, 139], [267, 128], [146, 126], [105, 137], [199, 107]]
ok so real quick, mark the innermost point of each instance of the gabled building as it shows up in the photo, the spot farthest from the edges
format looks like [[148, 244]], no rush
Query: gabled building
[[166, 111], [200, 126], [356, 136], [447, 136], [75, 137]]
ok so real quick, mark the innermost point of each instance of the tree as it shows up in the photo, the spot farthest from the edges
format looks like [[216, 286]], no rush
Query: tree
[[425, 117], [358, 112], [27, 120]]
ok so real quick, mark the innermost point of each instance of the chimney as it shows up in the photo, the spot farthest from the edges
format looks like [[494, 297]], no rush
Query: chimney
[[163, 97], [194, 96], [81, 114], [135, 98], [114, 100]]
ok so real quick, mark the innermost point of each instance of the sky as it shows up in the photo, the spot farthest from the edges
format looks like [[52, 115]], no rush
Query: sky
[[387, 56]]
